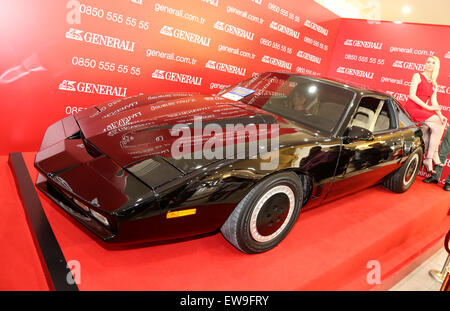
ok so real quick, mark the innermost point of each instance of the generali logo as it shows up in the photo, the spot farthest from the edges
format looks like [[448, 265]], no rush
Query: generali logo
[[316, 27], [364, 44], [309, 57], [276, 62], [158, 74], [176, 77], [99, 39], [398, 96], [67, 85], [284, 29], [408, 65], [185, 35], [166, 30], [212, 64], [355, 72], [212, 2], [236, 31], [92, 88], [74, 34], [443, 89]]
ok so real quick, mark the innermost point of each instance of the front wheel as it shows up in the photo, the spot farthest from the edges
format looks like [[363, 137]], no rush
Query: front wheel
[[266, 214], [402, 179]]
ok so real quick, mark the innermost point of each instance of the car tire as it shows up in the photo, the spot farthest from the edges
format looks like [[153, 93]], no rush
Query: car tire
[[402, 179], [264, 217]]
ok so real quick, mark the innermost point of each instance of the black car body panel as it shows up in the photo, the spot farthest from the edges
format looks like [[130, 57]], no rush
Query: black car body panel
[[115, 160]]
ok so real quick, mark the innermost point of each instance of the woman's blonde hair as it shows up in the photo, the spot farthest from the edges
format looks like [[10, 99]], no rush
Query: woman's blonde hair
[[435, 73]]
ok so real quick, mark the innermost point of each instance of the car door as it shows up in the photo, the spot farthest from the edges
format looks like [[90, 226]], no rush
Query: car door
[[363, 163]]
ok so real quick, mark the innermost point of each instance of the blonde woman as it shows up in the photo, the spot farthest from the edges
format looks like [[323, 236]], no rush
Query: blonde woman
[[423, 107]]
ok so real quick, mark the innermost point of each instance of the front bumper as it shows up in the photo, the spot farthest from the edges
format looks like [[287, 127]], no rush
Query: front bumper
[[67, 204], [83, 184]]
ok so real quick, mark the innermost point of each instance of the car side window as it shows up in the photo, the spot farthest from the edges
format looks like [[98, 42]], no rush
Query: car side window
[[404, 120], [374, 114]]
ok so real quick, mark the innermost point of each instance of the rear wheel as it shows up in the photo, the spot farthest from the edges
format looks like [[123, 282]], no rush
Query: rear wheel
[[402, 179], [266, 214]]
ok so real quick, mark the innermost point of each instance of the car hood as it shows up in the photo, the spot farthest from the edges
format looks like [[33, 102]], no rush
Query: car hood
[[132, 130]]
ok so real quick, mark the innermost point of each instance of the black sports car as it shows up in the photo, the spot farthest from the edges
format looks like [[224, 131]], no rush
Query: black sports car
[[244, 161]]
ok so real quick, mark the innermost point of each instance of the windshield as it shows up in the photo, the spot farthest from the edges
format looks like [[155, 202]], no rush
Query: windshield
[[316, 104]]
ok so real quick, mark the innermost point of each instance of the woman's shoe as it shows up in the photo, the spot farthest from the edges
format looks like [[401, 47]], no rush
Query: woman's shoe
[[447, 186], [437, 163], [430, 180], [429, 167]]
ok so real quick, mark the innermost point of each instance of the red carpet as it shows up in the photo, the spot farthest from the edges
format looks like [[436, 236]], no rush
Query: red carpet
[[20, 268], [328, 248]]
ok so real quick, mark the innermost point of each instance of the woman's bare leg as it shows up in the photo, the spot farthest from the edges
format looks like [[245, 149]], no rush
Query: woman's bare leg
[[437, 129], [436, 158], [426, 136]]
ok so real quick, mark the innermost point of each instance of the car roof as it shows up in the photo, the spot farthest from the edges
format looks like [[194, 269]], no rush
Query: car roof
[[363, 90]]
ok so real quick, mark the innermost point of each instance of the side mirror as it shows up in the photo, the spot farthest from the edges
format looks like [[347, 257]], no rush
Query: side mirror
[[357, 133]]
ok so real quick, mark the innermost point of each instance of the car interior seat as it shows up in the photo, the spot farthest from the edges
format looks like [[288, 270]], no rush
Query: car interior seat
[[363, 118]]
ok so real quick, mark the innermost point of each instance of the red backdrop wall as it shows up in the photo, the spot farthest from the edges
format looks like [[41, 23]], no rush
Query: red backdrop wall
[[58, 57], [385, 55]]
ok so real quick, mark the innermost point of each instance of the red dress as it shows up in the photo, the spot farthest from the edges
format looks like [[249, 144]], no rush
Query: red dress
[[424, 92]]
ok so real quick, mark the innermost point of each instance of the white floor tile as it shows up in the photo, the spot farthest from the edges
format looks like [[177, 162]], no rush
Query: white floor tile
[[419, 279]]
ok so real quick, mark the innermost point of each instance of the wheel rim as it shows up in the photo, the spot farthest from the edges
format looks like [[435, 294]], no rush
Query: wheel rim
[[272, 213], [411, 169]]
